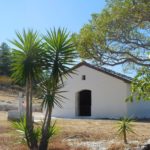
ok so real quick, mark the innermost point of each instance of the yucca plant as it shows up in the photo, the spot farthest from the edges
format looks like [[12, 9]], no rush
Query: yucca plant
[[21, 128], [26, 69], [30, 59], [60, 54], [124, 126]]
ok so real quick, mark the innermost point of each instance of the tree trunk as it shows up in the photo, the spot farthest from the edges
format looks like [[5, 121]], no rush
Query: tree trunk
[[31, 140], [34, 143], [27, 113], [47, 120], [125, 137]]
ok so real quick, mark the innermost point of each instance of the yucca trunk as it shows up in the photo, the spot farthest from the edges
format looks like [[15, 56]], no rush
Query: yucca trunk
[[125, 137], [27, 113], [31, 141], [45, 137]]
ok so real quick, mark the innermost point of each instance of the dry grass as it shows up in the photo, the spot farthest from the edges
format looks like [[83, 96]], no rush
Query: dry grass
[[5, 80], [119, 146], [11, 97], [86, 130], [9, 138], [82, 130], [59, 144], [94, 130], [7, 98]]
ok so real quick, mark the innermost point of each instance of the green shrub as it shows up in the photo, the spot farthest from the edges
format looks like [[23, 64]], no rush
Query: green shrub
[[21, 127], [124, 125]]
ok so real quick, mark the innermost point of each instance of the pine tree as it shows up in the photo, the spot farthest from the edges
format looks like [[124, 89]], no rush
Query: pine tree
[[5, 59]]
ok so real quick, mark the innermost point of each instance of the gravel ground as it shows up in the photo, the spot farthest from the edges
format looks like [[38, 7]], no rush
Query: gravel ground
[[94, 134]]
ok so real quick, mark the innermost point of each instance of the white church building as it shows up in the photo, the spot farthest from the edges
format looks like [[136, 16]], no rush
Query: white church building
[[98, 93]]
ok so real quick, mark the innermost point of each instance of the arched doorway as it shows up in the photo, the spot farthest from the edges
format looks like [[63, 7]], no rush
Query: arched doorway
[[84, 103]]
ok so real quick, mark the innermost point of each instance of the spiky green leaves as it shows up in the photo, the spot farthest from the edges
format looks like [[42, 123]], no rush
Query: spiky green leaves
[[60, 52], [22, 129], [51, 93], [26, 56], [53, 52], [35, 59], [124, 126]]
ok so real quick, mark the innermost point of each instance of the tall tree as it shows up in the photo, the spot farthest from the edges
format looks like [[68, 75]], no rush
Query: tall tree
[[120, 34], [26, 62], [60, 52], [31, 60], [5, 59]]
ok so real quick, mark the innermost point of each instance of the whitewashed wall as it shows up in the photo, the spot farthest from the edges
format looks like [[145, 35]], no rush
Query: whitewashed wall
[[108, 96]]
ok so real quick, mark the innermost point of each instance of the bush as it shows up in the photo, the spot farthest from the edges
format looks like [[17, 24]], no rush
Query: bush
[[124, 125], [5, 81], [21, 127]]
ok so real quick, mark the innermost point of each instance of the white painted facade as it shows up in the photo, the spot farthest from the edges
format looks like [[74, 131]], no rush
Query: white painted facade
[[108, 93]]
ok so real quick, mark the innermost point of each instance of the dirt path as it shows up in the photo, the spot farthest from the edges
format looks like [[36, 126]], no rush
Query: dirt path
[[3, 116]]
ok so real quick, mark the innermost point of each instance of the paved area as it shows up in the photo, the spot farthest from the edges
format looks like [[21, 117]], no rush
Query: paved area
[[38, 116]]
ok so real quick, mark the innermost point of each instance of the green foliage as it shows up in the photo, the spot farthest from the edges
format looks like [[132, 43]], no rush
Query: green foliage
[[26, 56], [60, 52], [124, 126], [46, 60], [51, 93], [26, 70], [52, 130], [118, 35], [22, 129], [140, 87], [60, 55], [5, 59]]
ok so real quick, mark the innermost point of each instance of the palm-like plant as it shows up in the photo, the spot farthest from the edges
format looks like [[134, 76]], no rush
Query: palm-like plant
[[60, 53], [21, 127], [124, 125], [30, 59], [26, 62]]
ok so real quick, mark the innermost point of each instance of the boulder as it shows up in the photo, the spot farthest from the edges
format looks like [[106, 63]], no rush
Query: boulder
[[15, 115]]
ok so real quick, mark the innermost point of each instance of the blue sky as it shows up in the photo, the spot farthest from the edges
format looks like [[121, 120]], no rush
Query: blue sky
[[44, 14]]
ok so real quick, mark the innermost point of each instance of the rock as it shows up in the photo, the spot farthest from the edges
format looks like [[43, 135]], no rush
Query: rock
[[148, 141], [14, 115], [7, 107], [138, 148], [146, 147], [134, 142], [37, 108]]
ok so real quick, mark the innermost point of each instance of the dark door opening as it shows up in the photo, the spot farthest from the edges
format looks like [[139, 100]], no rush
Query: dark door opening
[[85, 103]]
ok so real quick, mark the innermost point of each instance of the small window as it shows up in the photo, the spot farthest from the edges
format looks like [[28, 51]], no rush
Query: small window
[[83, 77]]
